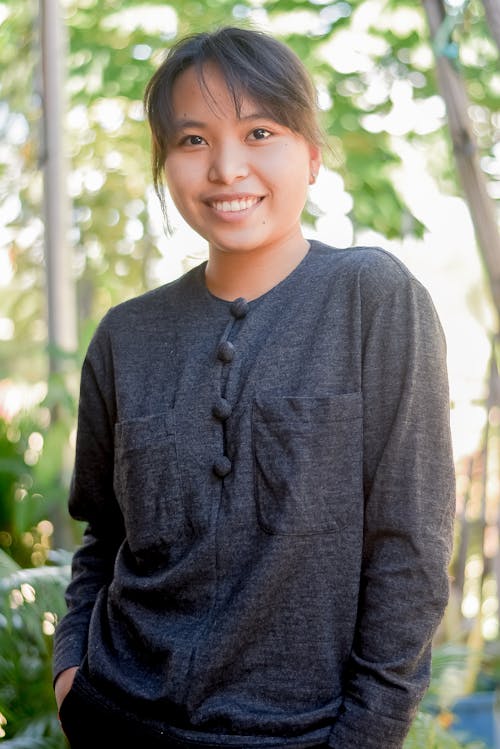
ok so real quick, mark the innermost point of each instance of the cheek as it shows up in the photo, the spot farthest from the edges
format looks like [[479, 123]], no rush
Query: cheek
[[181, 177], [288, 167]]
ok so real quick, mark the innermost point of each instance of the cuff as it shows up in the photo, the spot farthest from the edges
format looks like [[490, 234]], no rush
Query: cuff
[[359, 728]]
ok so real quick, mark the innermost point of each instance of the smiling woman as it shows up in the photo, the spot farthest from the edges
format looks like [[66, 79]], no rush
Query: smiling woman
[[263, 459], [235, 119], [229, 171]]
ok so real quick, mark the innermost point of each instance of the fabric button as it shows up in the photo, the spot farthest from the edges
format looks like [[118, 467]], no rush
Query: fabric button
[[225, 351], [239, 308], [222, 409], [222, 466]]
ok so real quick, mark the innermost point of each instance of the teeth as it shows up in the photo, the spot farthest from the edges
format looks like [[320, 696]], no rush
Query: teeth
[[232, 206]]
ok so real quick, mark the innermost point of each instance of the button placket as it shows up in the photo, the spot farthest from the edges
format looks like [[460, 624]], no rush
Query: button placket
[[222, 409], [225, 352], [222, 466], [239, 308]]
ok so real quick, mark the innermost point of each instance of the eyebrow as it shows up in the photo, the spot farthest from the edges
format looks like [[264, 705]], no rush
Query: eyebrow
[[186, 124]]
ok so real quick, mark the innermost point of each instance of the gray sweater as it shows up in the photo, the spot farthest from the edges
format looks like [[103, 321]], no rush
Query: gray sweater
[[268, 491]]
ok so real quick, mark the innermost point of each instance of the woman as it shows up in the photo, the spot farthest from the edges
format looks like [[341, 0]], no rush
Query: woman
[[263, 458]]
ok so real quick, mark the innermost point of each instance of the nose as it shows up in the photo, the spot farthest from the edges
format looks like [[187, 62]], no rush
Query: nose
[[228, 164]]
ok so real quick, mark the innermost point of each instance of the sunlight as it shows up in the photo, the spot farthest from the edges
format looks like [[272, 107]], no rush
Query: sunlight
[[15, 397], [352, 52], [7, 329], [152, 19], [4, 12]]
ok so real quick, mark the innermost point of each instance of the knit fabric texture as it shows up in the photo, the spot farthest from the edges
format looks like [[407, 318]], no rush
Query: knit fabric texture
[[269, 493]]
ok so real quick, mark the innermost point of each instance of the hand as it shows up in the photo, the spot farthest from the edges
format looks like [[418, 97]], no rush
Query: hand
[[63, 684]]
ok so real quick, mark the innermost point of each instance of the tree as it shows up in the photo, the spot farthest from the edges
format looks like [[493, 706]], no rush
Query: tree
[[114, 48], [492, 10], [373, 65], [465, 147], [378, 85]]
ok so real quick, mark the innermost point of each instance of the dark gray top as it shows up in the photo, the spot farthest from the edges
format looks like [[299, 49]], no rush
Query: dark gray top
[[269, 494]]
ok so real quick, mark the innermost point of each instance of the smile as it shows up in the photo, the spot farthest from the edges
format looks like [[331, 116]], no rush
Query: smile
[[235, 206]]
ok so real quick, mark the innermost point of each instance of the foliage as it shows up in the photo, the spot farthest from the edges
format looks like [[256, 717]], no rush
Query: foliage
[[31, 601], [35, 465], [114, 48], [380, 94], [450, 674], [427, 733]]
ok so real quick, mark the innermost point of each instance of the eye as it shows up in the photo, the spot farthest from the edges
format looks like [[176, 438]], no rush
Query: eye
[[192, 140], [260, 133]]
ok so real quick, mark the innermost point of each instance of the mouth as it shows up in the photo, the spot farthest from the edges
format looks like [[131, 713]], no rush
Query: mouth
[[235, 205]]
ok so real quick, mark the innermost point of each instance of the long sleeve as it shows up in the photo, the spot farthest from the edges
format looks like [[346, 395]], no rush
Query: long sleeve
[[259, 602], [409, 485], [91, 500]]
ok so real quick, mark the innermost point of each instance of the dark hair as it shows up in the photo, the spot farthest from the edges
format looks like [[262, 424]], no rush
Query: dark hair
[[253, 64]]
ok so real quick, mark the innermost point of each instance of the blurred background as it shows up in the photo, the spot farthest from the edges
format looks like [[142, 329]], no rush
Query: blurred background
[[409, 93]]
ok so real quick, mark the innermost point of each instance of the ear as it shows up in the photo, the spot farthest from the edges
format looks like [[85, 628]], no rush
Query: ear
[[314, 163]]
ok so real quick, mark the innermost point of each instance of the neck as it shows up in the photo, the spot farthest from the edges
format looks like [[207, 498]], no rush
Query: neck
[[229, 275]]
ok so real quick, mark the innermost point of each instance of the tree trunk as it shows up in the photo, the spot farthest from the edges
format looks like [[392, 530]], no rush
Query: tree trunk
[[492, 10], [60, 285], [472, 178], [61, 302]]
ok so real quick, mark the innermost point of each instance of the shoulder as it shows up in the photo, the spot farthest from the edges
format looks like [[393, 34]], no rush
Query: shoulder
[[157, 302], [155, 308], [375, 278], [373, 266], [376, 274], [133, 324]]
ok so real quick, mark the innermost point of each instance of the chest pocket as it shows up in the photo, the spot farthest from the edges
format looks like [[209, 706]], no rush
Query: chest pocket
[[307, 454], [146, 482]]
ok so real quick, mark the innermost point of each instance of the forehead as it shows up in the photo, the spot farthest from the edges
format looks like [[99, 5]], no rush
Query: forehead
[[206, 91]]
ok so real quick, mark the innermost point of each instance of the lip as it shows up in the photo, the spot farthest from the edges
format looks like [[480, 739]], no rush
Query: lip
[[233, 206]]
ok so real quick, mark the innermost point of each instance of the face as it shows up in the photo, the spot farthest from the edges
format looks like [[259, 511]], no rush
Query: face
[[240, 182]]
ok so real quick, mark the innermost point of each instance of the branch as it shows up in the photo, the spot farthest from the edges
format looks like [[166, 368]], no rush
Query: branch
[[465, 148]]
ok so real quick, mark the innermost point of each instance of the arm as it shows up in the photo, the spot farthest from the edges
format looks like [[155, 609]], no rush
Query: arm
[[409, 509], [91, 500]]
